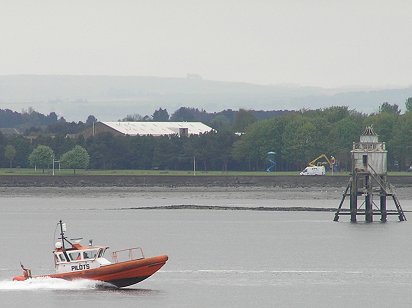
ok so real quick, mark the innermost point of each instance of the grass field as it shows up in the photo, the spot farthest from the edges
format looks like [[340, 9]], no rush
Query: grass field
[[31, 171], [66, 172], [69, 172]]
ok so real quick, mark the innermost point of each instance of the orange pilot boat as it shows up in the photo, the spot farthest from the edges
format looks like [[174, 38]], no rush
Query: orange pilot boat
[[75, 261]]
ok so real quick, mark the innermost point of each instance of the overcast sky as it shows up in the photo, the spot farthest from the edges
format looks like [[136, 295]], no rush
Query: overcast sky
[[330, 43]]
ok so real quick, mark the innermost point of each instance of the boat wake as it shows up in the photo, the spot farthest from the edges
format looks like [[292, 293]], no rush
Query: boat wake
[[46, 283]]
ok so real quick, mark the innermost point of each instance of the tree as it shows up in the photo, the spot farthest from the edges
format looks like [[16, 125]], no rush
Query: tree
[[135, 118], [383, 124], [408, 104], [91, 119], [51, 118], [10, 153], [184, 114], [260, 138], [401, 143], [341, 137], [23, 150], [242, 120], [386, 107], [336, 113], [222, 147], [76, 158], [300, 141], [220, 122], [41, 157], [160, 115]]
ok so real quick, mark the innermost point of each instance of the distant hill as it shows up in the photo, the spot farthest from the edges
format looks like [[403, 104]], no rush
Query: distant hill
[[113, 97]]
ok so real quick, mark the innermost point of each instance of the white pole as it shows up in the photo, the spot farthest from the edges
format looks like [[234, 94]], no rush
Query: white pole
[[53, 164]]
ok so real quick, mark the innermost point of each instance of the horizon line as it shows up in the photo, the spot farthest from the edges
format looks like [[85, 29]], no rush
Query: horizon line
[[201, 79]]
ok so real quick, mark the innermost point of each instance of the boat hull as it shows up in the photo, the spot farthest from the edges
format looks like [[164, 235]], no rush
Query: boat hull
[[120, 274]]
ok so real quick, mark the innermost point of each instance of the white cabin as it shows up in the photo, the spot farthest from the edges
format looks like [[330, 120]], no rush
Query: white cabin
[[79, 258]]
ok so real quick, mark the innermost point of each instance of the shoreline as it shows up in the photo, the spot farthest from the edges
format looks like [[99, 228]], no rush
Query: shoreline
[[185, 181], [241, 188]]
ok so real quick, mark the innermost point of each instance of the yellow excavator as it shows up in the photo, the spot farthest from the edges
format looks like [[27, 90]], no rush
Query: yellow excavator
[[316, 167], [315, 162]]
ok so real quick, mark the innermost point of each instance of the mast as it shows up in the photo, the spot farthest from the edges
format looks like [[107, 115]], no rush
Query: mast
[[62, 234], [63, 238]]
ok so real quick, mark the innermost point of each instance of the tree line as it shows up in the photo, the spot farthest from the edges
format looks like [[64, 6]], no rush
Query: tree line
[[295, 138], [31, 122]]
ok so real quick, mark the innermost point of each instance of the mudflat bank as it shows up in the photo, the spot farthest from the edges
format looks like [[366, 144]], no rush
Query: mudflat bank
[[186, 181], [275, 193]]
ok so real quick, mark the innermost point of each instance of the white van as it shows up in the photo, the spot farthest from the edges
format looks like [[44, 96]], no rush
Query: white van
[[318, 170]]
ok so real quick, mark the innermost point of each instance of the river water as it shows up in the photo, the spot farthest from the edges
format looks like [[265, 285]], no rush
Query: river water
[[217, 258]]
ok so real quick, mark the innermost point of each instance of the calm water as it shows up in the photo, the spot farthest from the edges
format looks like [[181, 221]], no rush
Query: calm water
[[216, 258]]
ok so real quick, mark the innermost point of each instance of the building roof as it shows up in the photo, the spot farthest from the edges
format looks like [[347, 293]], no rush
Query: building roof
[[158, 128], [369, 131]]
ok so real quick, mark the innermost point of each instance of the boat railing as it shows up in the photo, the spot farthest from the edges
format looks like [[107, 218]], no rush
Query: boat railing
[[134, 253]]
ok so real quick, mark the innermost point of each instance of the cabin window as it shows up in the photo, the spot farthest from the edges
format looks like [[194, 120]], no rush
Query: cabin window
[[61, 257], [89, 254], [75, 256]]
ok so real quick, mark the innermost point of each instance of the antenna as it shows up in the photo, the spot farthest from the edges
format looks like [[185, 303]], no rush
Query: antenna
[[62, 230], [63, 238]]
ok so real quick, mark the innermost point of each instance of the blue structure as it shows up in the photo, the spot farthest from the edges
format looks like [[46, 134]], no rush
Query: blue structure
[[271, 159]]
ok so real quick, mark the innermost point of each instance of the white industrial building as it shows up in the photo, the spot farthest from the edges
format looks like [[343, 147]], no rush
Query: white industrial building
[[146, 128]]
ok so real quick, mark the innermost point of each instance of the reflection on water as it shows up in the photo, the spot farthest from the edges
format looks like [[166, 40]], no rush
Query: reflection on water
[[131, 291]]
